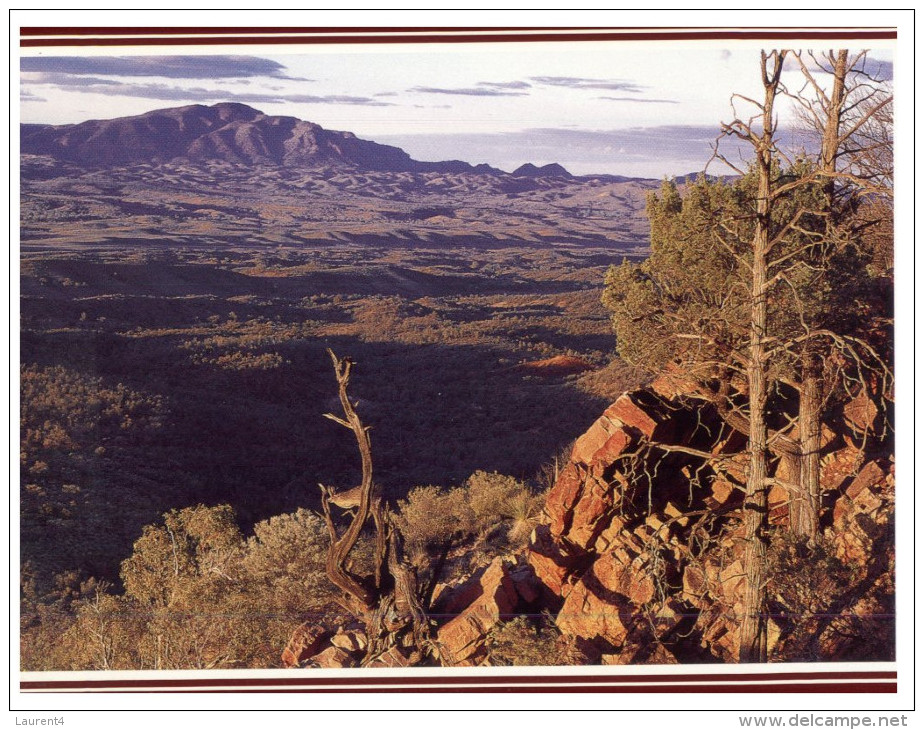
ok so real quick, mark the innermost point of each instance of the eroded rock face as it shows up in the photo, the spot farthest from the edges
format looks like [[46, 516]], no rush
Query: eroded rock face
[[644, 540]]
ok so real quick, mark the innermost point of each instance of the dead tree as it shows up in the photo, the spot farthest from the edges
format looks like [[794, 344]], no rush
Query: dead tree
[[849, 116], [753, 647], [388, 602]]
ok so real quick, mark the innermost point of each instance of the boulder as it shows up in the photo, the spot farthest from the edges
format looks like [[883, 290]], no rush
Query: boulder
[[393, 658], [462, 639], [564, 496], [333, 657], [860, 413], [353, 642], [861, 514], [593, 511]]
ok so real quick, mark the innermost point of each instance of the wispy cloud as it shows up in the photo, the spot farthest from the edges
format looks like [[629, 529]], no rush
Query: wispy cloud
[[26, 95], [483, 90], [173, 67], [169, 92], [638, 100], [505, 84], [574, 82]]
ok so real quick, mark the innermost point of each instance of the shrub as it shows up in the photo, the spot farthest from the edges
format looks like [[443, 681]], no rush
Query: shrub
[[430, 516], [530, 642]]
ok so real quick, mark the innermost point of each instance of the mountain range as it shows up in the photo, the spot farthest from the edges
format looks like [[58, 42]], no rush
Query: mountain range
[[165, 173], [228, 132]]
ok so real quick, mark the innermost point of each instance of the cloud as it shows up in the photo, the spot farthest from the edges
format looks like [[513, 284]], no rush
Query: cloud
[[651, 152], [168, 92], [474, 91], [173, 67], [818, 63], [506, 84], [637, 100], [573, 82], [26, 95]]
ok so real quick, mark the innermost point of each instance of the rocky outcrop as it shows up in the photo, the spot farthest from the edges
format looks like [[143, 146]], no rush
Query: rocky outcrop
[[643, 538], [640, 557]]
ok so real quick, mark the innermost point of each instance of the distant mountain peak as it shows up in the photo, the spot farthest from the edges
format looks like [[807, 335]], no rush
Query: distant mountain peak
[[551, 170]]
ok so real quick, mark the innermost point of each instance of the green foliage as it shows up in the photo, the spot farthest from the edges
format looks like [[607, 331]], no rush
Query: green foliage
[[285, 561], [681, 302], [192, 548], [689, 301], [197, 595]]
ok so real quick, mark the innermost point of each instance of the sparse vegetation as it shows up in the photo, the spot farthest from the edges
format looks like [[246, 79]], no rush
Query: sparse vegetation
[[739, 508]]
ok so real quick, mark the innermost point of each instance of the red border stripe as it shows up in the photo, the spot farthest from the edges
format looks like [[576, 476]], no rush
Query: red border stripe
[[744, 688], [285, 37], [767, 680]]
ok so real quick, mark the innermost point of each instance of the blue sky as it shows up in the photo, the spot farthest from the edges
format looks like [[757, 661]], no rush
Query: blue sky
[[640, 109]]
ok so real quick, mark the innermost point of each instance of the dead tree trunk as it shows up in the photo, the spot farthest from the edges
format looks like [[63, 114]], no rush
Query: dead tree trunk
[[804, 520], [388, 603], [753, 647], [806, 504]]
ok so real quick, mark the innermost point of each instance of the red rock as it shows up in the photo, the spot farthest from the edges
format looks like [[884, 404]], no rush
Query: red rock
[[591, 513], [588, 615], [557, 366], [462, 640], [619, 572], [839, 466], [591, 441], [778, 504], [675, 515], [613, 447], [333, 657], [732, 580], [350, 641], [609, 534], [721, 637], [721, 491], [393, 658], [305, 642], [729, 442], [455, 598], [642, 411], [694, 584], [550, 563], [860, 413], [870, 475], [526, 583], [563, 496], [673, 383], [643, 652]]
